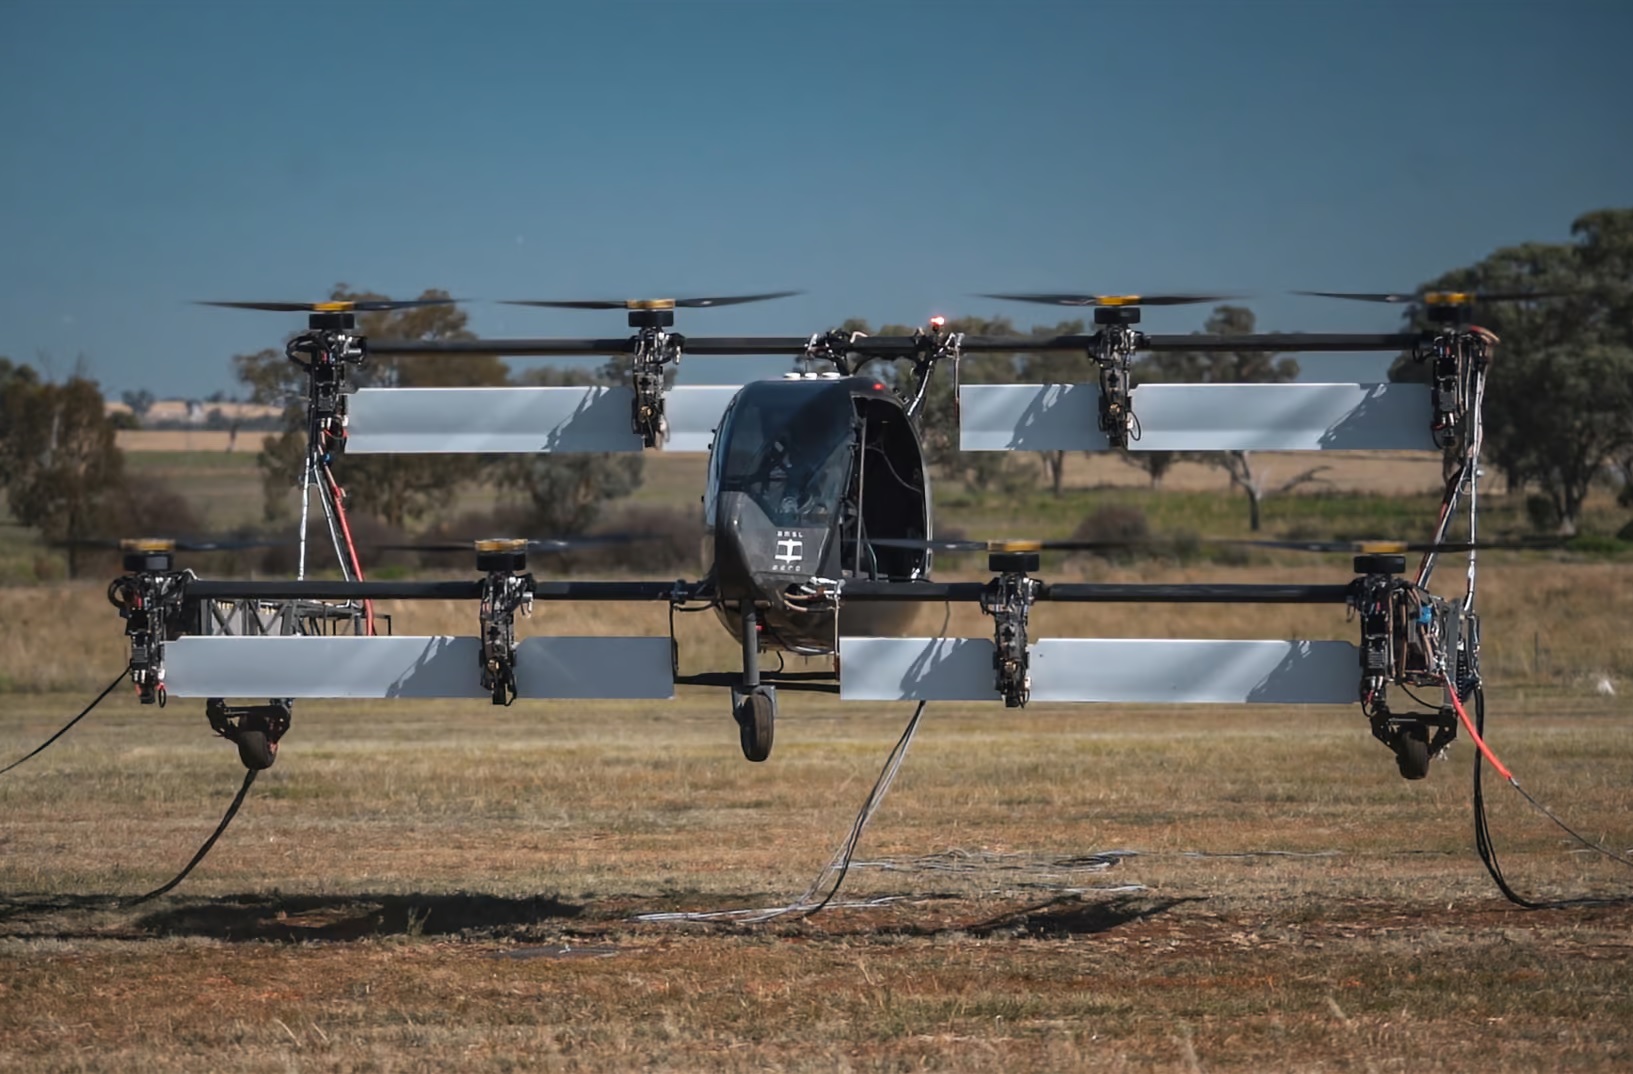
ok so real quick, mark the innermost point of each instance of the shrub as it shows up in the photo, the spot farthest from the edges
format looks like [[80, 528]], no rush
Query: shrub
[[1542, 513], [1115, 522], [676, 542]]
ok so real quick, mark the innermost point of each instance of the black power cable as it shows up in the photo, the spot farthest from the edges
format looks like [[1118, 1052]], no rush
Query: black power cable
[[841, 865], [1488, 851], [232, 810], [67, 726]]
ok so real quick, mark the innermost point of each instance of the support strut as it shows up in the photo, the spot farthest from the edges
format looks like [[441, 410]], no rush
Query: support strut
[[754, 704]]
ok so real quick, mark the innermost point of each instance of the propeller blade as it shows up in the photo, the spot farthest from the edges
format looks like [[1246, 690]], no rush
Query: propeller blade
[[368, 305], [1375, 547], [1112, 300], [1399, 547], [588, 304], [174, 544], [1438, 298], [238, 544], [648, 303], [535, 544], [731, 300]]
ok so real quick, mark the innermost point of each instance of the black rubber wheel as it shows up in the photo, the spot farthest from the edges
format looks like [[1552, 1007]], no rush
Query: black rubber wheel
[[255, 751], [756, 723], [1412, 756]]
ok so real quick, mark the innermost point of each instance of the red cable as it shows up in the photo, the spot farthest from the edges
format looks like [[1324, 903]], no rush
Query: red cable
[[351, 549], [1468, 724]]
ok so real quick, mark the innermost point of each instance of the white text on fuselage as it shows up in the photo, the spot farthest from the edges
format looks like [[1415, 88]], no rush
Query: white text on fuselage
[[790, 549]]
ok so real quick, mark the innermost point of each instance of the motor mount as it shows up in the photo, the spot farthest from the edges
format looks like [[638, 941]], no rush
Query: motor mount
[[506, 589], [150, 601], [1008, 598], [1113, 351]]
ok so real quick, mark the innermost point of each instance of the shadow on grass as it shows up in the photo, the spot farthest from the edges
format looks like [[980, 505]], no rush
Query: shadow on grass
[[285, 918], [280, 918], [350, 917], [1069, 915]]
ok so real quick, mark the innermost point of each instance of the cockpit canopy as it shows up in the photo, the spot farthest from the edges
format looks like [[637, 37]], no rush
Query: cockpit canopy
[[788, 447]]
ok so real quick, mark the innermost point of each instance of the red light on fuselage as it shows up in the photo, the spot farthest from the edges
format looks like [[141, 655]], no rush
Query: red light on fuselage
[[938, 322], [878, 387]]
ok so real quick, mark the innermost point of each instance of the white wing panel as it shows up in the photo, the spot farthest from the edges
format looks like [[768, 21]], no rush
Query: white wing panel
[[915, 669], [1195, 672], [413, 667], [1029, 417], [1130, 671], [420, 421], [1200, 417]]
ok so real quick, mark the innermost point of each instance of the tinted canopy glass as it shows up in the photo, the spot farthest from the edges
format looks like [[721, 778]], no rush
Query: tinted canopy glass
[[789, 449]]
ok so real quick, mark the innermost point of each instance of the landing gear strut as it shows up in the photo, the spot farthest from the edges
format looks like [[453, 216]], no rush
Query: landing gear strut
[[254, 729], [1414, 737], [754, 705]]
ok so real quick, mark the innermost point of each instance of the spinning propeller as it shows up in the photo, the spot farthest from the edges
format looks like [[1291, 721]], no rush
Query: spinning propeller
[[171, 545], [361, 305], [519, 544], [634, 304], [1111, 300], [1437, 298], [1376, 547]]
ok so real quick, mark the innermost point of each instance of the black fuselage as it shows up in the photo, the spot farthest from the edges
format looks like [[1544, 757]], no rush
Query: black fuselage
[[804, 473]]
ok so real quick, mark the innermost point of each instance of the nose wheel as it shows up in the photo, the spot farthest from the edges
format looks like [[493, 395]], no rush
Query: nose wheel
[[756, 713], [1415, 737], [254, 729], [753, 705]]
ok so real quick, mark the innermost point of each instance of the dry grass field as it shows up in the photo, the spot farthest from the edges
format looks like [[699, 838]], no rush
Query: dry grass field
[[167, 441], [432, 886], [446, 886], [428, 886]]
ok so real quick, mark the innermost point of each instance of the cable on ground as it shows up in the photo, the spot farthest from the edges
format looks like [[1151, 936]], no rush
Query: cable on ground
[[809, 904], [1482, 829], [232, 811], [86, 711]]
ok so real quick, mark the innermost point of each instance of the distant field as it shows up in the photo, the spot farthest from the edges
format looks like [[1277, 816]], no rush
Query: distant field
[[168, 440], [232, 492], [1348, 471]]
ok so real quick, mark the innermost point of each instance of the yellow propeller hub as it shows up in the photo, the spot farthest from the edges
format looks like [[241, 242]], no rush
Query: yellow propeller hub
[[1014, 546], [147, 544]]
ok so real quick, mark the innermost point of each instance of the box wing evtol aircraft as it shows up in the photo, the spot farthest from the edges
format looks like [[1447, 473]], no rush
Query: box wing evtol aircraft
[[820, 539]]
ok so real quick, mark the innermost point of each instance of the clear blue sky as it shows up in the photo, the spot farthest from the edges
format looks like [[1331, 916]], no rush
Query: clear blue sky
[[887, 157]]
